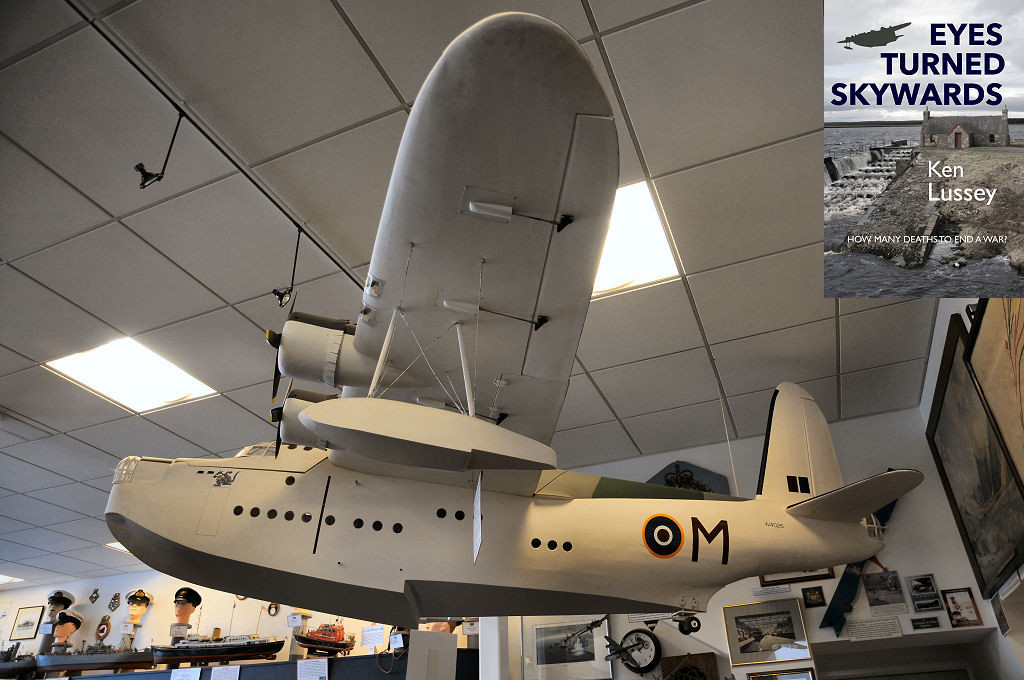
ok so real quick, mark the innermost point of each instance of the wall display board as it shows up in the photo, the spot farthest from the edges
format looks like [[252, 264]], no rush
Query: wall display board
[[982, 486], [995, 354], [797, 577], [547, 655], [763, 632], [26, 623], [795, 674]]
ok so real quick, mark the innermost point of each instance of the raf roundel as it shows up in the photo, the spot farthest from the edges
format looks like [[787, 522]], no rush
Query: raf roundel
[[662, 536]]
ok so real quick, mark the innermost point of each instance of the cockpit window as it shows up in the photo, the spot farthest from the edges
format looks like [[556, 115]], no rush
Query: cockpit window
[[264, 449]]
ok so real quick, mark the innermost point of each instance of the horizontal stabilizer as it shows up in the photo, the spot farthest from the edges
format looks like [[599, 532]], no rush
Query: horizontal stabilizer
[[857, 500]]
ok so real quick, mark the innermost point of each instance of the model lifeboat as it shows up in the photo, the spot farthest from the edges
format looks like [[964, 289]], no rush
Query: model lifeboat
[[329, 638]]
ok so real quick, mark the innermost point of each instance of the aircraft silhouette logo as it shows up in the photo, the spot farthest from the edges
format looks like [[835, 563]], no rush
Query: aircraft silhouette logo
[[877, 38]]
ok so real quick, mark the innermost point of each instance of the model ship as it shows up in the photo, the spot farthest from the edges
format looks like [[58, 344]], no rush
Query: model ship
[[94, 657], [327, 639], [197, 649], [14, 665]]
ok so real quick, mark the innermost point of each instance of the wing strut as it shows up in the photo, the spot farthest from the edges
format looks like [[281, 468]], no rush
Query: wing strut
[[383, 353], [470, 401]]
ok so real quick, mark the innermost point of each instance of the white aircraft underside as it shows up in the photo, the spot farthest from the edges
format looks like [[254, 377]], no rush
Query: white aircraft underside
[[477, 291]]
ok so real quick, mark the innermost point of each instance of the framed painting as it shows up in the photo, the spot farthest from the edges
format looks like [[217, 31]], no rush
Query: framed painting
[[923, 593], [995, 354], [766, 632], [561, 648], [981, 483], [797, 577], [961, 607], [26, 623], [794, 674]]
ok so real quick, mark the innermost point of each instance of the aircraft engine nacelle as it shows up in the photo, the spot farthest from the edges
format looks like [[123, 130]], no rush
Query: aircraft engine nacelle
[[320, 350], [291, 430]]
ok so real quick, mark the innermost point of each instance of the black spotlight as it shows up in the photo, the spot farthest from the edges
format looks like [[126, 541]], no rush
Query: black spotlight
[[147, 176], [283, 295], [152, 177]]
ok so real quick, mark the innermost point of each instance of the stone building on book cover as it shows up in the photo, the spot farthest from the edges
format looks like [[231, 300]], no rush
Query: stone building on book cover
[[961, 132]]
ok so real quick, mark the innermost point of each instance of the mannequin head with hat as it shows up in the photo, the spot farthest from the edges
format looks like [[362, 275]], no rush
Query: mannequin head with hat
[[185, 602], [138, 602], [58, 601], [68, 621]]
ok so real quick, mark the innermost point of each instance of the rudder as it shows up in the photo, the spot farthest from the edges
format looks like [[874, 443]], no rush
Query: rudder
[[799, 460]]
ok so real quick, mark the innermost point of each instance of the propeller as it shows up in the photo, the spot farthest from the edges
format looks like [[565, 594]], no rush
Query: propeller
[[274, 340], [277, 413]]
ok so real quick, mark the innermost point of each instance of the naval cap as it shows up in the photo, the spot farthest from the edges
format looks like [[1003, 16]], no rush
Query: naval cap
[[70, 616], [139, 595], [188, 595], [61, 597]]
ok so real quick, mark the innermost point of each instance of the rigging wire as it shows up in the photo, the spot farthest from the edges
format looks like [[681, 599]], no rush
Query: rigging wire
[[725, 424]]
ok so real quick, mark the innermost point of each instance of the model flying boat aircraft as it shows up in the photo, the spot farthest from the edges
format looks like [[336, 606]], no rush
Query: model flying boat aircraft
[[427, 488]]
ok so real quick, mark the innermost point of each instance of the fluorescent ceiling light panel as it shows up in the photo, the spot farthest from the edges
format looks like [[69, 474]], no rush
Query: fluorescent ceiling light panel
[[128, 373], [636, 251], [116, 546], [8, 579]]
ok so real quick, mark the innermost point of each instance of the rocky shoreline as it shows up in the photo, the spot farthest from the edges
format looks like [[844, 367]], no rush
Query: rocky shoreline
[[903, 223]]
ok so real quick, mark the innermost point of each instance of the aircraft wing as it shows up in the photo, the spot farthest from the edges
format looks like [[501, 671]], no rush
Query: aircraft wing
[[510, 125]]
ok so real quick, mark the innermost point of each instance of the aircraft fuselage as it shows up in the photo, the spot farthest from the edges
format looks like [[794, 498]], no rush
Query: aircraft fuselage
[[302, 530]]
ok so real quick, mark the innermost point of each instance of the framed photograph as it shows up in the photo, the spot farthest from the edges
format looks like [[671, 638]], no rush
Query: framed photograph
[[961, 607], [814, 597], [795, 674], [981, 483], [885, 593], [26, 623], [796, 577], [997, 610], [555, 648], [923, 593], [995, 354], [764, 632]]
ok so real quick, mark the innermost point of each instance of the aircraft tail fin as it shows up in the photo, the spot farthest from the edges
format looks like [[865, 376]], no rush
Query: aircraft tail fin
[[854, 501], [799, 461]]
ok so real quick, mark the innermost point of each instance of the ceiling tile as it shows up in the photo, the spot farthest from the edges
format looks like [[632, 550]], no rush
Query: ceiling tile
[[98, 573], [61, 564], [762, 295], [21, 476], [629, 164], [70, 269], [18, 570], [38, 208], [583, 405], [24, 23], [44, 539], [638, 325], [657, 384], [65, 455], [89, 528], [40, 324], [102, 483], [136, 436], [337, 186], [407, 38], [612, 13], [11, 361], [100, 554], [119, 120], [706, 213], [232, 238], [886, 335], [335, 297], [27, 509], [222, 349], [7, 525], [53, 401], [750, 411], [680, 113], [886, 388], [16, 551], [852, 305], [78, 497], [265, 80], [216, 424], [592, 444], [762, 361], [678, 428]]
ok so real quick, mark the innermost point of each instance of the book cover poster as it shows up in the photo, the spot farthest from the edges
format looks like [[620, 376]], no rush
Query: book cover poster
[[924, 148]]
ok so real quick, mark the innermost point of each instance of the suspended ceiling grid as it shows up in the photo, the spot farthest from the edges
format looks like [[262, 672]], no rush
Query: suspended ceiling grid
[[303, 105]]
